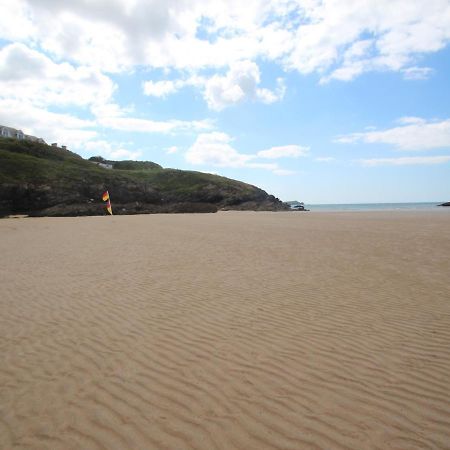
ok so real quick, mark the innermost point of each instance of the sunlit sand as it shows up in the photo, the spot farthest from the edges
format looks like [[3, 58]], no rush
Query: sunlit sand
[[226, 331]]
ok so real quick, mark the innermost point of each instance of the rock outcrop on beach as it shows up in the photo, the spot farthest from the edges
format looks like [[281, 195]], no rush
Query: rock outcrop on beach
[[445, 204], [40, 180], [295, 205]]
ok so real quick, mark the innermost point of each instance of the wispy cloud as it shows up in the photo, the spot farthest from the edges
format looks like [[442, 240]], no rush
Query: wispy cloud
[[417, 73], [405, 161], [134, 124], [110, 150], [284, 172], [325, 159], [285, 151], [162, 88], [416, 134]]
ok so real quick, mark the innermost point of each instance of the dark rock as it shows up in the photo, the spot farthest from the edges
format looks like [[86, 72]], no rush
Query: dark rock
[[445, 204], [89, 209]]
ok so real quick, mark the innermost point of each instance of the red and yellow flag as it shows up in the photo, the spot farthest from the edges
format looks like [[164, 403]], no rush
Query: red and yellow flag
[[105, 198], [108, 207]]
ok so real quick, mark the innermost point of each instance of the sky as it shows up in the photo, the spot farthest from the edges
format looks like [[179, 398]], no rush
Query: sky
[[321, 101]]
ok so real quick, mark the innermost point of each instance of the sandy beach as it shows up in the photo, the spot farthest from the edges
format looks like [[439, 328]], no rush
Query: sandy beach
[[235, 330]]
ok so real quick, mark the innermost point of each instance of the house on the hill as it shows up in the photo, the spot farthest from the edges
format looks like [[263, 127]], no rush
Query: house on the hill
[[101, 162], [9, 132], [28, 137], [104, 165]]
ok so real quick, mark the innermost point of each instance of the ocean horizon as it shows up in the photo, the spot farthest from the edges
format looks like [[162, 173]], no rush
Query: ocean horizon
[[411, 206]]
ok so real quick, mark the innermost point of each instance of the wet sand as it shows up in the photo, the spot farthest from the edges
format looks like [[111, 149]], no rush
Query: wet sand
[[234, 330]]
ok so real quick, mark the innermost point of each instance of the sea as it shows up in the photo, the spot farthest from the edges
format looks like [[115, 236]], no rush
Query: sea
[[423, 206]]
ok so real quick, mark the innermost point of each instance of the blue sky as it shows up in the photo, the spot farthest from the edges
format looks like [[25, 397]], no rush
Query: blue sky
[[333, 101]]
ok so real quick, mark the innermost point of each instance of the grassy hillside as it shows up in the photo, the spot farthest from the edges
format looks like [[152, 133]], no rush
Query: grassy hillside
[[127, 165], [43, 180]]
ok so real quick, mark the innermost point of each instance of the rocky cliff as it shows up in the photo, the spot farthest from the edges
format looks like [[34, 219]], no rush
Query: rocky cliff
[[40, 180]]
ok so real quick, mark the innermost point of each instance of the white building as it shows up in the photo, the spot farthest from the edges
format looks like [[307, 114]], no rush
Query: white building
[[9, 132], [28, 137], [104, 165]]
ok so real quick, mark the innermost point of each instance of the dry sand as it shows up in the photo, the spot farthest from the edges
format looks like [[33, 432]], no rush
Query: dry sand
[[226, 331]]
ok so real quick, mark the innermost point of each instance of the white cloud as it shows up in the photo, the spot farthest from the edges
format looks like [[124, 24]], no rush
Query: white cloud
[[406, 161], [347, 139], [111, 151], [394, 33], [354, 62], [417, 73], [238, 84], [161, 88], [32, 83], [335, 38], [65, 129], [407, 120], [110, 115], [290, 151], [121, 153], [15, 21], [325, 159], [267, 96], [215, 149], [171, 150], [135, 124], [417, 135], [29, 75], [118, 34], [284, 172]]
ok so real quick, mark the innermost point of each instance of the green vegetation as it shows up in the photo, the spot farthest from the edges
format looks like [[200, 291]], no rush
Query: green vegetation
[[135, 165], [37, 150], [38, 177], [126, 165], [35, 162]]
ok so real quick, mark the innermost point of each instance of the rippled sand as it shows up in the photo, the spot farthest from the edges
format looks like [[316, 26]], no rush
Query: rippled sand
[[226, 331]]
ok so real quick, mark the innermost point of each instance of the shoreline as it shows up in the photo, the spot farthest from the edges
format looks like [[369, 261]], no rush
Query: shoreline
[[306, 212]]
